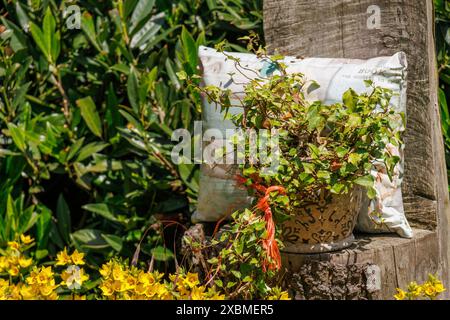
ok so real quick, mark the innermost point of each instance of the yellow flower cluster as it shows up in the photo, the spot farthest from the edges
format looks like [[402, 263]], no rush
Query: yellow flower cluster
[[431, 289], [76, 258], [39, 285], [14, 260], [73, 276], [122, 282], [277, 294], [22, 279]]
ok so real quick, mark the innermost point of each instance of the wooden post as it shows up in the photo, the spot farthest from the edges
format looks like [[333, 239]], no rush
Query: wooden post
[[365, 29]]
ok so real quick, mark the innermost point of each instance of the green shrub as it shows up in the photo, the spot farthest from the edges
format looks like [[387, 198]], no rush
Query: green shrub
[[443, 57], [86, 117]]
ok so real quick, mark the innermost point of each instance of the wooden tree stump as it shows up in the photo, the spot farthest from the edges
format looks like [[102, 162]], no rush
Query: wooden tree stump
[[366, 29]]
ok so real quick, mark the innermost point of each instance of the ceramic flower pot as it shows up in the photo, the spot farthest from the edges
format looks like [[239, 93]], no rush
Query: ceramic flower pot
[[325, 224]]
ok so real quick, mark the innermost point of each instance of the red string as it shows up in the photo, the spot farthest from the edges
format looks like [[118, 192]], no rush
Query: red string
[[269, 244]]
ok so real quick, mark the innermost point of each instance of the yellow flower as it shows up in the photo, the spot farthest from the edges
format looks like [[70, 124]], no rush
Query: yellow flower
[[118, 273], [160, 290], [4, 263], [27, 292], [130, 282], [26, 239], [439, 287], [24, 262], [46, 290], [414, 289], [284, 296], [13, 271], [119, 286], [214, 295], [14, 293], [146, 278], [106, 288], [14, 245], [73, 277], [429, 290], [140, 289], [77, 258], [106, 269], [198, 293], [191, 280], [62, 258], [401, 295]]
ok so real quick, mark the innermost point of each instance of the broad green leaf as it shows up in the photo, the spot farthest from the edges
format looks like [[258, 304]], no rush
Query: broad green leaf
[[141, 11], [350, 98], [51, 37], [41, 254], [91, 149], [147, 32], [366, 181], [56, 46], [101, 209], [90, 115], [90, 238], [323, 174], [162, 254], [133, 91], [171, 73], [11, 216], [19, 95], [354, 158], [75, 148], [18, 136], [314, 85], [22, 16], [157, 39], [18, 39], [43, 227], [114, 241], [189, 175], [104, 166], [371, 192], [63, 218], [189, 48], [28, 219], [128, 6], [87, 25], [40, 40], [342, 151]]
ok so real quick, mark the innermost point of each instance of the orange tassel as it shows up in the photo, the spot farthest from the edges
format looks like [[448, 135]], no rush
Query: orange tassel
[[269, 244]]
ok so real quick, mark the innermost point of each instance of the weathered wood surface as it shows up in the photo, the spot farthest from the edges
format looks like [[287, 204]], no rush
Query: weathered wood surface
[[369, 28], [342, 275]]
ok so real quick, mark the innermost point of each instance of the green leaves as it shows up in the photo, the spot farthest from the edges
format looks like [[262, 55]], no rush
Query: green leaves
[[366, 181], [48, 38], [90, 115], [18, 136], [141, 11], [162, 254], [63, 218], [101, 209], [350, 99], [190, 51], [323, 147], [116, 77], [133, 91]]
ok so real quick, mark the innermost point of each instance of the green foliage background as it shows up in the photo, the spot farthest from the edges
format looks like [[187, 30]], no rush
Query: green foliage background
[[86, 117], [443, 57]]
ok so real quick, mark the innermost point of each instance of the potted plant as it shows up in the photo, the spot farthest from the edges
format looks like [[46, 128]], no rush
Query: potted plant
[[326, 155]]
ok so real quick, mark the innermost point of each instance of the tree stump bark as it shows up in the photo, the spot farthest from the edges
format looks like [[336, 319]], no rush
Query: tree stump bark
[[365, 29]]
